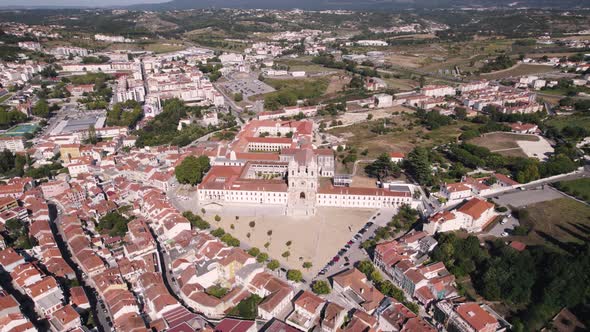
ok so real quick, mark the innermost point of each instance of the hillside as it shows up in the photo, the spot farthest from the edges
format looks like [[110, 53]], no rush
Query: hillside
[[360, 4]]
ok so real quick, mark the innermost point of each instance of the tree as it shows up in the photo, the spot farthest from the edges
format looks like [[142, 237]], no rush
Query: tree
[[321, 287], [41, 109], [252, 224], [417, 164], [294, 275], [288, 243], [460, 113], [422, 81], [219, 232], [262, 257], [266, 245], [286, 255], [273, 265], [92, 138], [191, 170], [254, 251], [307, 265], [125, 114], [376, 276], [196, 220], [217, 218], [238, 97], [383, 168], [366, 267]]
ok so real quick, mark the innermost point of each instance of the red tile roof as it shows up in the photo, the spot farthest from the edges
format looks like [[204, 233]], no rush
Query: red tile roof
[[475, 207], [475, 316]]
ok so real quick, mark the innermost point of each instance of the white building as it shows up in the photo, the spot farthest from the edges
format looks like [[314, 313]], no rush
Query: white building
[[371, 43], [473, 216], [13, 144], [383, 100], [438, 90]]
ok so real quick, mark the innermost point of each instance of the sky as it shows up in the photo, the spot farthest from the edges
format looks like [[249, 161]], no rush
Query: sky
[[74, 2]]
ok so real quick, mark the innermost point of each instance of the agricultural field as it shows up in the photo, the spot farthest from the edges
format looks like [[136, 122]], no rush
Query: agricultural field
[[518, 70], [557, 223]]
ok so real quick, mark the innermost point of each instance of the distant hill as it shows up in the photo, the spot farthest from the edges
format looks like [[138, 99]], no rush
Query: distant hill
[[361, 4]]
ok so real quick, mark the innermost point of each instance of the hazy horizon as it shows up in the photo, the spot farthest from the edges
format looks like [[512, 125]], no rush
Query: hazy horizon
[[90, 3]]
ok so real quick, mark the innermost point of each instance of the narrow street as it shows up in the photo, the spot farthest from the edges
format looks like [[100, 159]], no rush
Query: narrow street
[[99, 316]]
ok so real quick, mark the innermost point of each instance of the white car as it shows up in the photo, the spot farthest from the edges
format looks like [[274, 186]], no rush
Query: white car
[[504, 234], [505, 220]]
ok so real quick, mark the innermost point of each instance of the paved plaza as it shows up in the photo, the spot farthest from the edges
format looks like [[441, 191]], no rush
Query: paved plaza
[[314, 239]]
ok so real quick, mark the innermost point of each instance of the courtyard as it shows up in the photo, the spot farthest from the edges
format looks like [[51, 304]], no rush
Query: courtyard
[[312, 239]]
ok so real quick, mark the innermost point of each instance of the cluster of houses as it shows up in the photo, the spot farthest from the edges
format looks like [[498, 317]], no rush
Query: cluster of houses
[[474, 96], [15, 73], [40, 273], [406, 263]]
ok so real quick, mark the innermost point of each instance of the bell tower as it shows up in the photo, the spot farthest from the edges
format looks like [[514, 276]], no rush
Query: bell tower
[[302, 181]]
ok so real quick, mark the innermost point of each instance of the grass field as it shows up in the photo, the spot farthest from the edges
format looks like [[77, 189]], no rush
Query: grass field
[[163, 47], [579, 188], [518, 70], [405, 135], [557, 223], [304, 64], [502, 142], [559, 122], [401, 84]]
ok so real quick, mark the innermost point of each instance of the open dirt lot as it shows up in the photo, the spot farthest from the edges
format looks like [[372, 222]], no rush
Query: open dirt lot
[[509, 144], [350, 118], [337, 82], [408, 61], [314, 239]]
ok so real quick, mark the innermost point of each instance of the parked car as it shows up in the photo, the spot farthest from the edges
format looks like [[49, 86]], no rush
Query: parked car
[[504, 234]]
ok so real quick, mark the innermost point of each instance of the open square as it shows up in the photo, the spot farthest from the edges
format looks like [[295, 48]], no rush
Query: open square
[[313, 239]]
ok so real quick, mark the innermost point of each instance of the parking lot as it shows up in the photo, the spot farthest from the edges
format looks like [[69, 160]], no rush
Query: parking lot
[[248, 87], [521, 198], [351, 253], [504, 227]]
